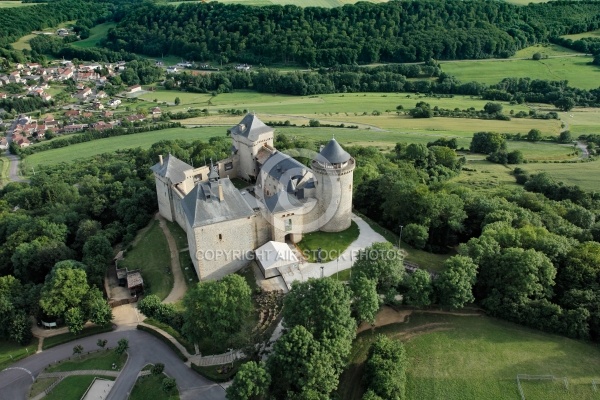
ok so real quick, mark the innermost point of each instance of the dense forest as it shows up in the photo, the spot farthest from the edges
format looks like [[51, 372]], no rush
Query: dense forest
[[396, 31]]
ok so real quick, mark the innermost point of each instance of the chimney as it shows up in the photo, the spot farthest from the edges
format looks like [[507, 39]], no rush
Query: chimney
[[160, 159], [221, 198]]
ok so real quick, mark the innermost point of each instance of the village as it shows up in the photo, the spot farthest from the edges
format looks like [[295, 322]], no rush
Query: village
[[89, 107]]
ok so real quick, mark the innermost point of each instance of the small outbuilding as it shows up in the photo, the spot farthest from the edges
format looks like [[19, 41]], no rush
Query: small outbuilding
[[274, 255]]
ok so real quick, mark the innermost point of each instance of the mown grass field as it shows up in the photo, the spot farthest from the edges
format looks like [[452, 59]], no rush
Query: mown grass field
[[144, 140], [453, 357], [576, 36], [151, 255], [547, 49], [300, 3], [9, 4], [97, 33], [73, 387], [576, 70]]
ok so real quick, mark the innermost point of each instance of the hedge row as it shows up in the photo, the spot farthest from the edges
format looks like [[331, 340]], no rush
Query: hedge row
[[68, 337]]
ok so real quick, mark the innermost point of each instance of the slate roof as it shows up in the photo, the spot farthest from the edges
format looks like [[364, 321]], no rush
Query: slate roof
[[203, 207], [282, 201], [172, 168], [279, 163], [250, 127], [334, 153]]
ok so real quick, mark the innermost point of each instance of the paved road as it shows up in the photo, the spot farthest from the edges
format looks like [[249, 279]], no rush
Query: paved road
[[13, 173], [16, 380], [179, 285]]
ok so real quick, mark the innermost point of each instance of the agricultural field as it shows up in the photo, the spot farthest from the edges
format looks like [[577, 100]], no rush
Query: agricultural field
[[547, 49], [23, 42], [97, 33], [581, 121], [576, 69], [477, 357], [300, 3], [9, 4]]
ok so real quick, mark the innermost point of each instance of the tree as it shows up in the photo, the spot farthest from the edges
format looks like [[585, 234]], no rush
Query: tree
[[419, 288], [487, 142], [251, 382], [177, 101], [322, 306], [78, 350], [416, 235], [122, 346], [75, 320], [217, 309], [382, 263], [565, 137], [536, 56], [514, 157], [101, 343], [97, 255], [493, 108], [96, 308], [300, 364], [385, 369], [65, 288], [366, 300], [534, 135], [168, 384], [454, 285], [565, 103], [422, 110], [157, 369]]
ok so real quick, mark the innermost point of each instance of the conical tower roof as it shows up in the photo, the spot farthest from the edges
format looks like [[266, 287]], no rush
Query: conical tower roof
[[334, 153]]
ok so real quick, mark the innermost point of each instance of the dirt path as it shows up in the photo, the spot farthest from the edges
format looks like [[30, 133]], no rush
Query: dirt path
[[388, 315], [179, 286]]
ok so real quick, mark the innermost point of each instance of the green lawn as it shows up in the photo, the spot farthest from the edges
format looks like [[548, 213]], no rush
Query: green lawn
[[152, 256], [576, 36], [102, 360], [453, 357], [68, 337], [72, 387], [332, 244], [585, 175], [11, 352], [150, 387], [185, 261], [144, 140], [576, 70], [40, 385], [547, 49], [97, 33]]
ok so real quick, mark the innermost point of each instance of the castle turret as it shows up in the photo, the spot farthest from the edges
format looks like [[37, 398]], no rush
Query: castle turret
[[249, 136], [334, 169]]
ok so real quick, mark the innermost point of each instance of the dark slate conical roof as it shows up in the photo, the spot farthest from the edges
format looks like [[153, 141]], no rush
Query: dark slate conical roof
[[334, 153]]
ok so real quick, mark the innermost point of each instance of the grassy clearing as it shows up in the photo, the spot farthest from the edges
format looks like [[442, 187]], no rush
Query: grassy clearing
[[584, 175], [11, 352], [150, 387], [453, 357], [4, 170], [185, 261], [577, 70], [332, 244], [68, 337], [102, 360], [151, 255], [97, 33], [299, 3], [23, 42], [143, 140], [10, 4], [40, 385], [73, 387], [547, 49], [576, 36]]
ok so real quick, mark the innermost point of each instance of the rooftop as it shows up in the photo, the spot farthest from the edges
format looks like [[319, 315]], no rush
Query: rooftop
[[250, 127], [334, 153], [172, 168]]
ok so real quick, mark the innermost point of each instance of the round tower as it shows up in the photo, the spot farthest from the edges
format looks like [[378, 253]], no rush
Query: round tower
[[334, 169]]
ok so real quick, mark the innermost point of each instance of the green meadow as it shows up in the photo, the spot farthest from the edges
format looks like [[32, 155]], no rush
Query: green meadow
[[9, 4], [97, 33], [576, 69], [593, 34], [477, 357]]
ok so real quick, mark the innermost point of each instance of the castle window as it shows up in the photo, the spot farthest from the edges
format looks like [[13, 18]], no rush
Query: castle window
[[220, 236]]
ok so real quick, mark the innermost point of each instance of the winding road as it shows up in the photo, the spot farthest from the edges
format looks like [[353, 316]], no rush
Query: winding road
[[16, 380], [13, 173]]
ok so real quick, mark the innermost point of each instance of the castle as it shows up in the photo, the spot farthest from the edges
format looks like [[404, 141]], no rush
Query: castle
[[284, 198]]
